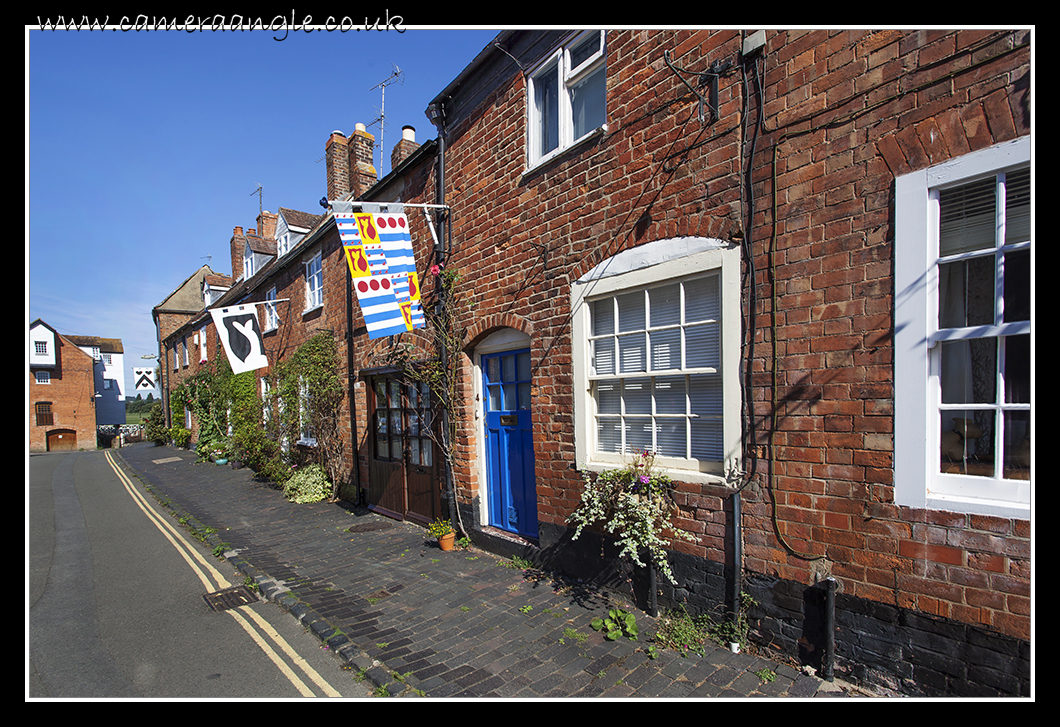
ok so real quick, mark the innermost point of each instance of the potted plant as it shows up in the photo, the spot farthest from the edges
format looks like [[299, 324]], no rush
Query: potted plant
[[443, 530], [219, 453]]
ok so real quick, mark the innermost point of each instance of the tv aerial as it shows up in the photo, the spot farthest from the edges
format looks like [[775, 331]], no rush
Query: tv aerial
[[396, 76]]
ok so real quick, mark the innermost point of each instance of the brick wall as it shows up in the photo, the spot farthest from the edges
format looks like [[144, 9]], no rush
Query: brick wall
[[844, 112], [71, 393]]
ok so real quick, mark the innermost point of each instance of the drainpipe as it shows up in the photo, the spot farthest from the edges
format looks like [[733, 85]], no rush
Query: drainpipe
[[829, 643], [436, 113], [737, 553]]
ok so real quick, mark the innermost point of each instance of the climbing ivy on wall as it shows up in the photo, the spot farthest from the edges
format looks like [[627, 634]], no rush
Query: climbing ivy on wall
[[305, 399]]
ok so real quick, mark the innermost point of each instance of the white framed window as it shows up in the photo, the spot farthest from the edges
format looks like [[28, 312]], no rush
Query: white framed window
[[203, 354], [44, 377], [248, 262], [307, 433], [963, 340], [41, 347], [566, 97], [314, 283], [283, 242], [272, 319], [656, 341], [184, 345]]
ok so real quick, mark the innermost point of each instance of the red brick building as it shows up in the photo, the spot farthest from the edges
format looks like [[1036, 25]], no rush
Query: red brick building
[[796, 265], [62, 409]]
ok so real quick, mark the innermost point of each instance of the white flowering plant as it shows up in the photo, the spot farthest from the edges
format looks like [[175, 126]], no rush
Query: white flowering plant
[[636, 504]]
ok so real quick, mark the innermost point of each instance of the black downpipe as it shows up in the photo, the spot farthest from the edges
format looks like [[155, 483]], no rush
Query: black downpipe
[[441, 255], [737, 554], [828, 664]]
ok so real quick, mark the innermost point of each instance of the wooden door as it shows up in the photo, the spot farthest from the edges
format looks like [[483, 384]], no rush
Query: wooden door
[[404, 480]]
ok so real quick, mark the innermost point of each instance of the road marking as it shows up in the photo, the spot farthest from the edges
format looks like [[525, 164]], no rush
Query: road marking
[[212, 580]]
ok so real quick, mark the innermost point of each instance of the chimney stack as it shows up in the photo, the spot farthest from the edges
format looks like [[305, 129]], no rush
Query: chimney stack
[[337, 153], [267, 224], [237, 244], [403, 148], [362, 171]]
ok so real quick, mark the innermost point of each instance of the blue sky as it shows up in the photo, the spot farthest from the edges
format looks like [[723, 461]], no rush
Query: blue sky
[[145, 149]]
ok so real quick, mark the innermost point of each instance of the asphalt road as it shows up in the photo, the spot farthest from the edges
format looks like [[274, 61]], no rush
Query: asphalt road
[[117, 609]]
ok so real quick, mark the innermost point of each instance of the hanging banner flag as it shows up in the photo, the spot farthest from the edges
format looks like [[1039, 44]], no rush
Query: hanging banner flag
[[237, 327], [378, 250], [144, 378]]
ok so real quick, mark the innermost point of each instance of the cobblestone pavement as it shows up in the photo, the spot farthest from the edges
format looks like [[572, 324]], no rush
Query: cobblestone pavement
[[418, 621]]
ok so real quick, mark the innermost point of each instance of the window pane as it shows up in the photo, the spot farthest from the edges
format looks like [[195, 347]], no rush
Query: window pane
[[966, 293], [704, 395], [609, 434], [670, 438], [701, 346], [966, 442], [583, 49], [608, 397], [1018, 286], [638, 435], [546, 106], [665, 305], [508, 368], [603, 314], [493, 370], [587, 103], [604, 356], [631, 312], [1018, 369], [969, 371], [1018, 206], [524, 367], [524, 396], [706, 440], [669, 392], [631, 350], [666, 349], [636, 395], [967, 217], [701, 300], [1017, 445]]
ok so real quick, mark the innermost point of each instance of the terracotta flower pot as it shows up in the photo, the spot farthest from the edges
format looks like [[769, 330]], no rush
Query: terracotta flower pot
[[445, 542]]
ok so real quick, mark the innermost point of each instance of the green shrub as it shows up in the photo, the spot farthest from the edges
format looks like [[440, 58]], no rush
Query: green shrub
[[180, 436], [155, 425], [307, 484]]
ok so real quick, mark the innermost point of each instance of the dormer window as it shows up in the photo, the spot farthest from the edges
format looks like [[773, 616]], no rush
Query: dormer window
[[248, 262]]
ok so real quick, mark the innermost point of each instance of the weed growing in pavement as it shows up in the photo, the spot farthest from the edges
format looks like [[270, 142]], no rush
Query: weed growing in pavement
[[526, 609], [569, 633], [765, 674], [617, 623], [220, 548], [685, 633]]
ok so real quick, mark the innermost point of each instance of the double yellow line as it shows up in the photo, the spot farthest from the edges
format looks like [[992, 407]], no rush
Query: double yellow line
[[212, 580]]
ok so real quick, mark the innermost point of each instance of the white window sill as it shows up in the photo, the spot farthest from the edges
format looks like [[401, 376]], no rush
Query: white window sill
[[677, 474], [555, 154], [313, 309], [306, 442]]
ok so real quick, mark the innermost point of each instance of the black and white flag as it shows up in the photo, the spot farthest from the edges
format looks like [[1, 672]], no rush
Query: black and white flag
[[237, 327], [144, 378]]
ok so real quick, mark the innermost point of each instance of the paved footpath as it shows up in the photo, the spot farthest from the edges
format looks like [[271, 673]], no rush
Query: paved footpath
[[417, 621]]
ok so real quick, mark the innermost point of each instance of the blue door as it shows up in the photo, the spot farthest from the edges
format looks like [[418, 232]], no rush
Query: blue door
[[509, 442]]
